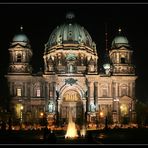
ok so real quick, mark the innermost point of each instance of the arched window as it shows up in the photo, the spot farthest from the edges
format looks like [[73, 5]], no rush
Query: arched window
[[104, 91], [19, 92], [123, 90], [19, 57], [38, 92], [122, 60]]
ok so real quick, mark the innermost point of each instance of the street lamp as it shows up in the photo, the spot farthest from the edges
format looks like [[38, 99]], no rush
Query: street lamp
[[41, 114], [101, 114]]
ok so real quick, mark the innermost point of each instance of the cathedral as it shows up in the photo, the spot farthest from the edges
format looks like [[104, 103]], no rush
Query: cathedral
[[71, 80]]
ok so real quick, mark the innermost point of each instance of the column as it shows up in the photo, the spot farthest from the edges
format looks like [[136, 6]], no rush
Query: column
[[131, 91], [28, 89], [91, 94], [25, 90], [96, 94], [54, 90], [118, 61], [47, 90], [128, 89], [84, 105], [108, 93], [51, 90], [116, 89], [91, 90], [11, 88], [88, 96], [98, 90], [110, 88], [45, 63]]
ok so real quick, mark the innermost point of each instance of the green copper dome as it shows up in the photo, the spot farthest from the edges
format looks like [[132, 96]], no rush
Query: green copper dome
[[20, 38], [69, 33], [119, 41]]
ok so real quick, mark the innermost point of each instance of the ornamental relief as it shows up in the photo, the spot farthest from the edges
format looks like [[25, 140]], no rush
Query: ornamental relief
[[71, 96], [18, 68]]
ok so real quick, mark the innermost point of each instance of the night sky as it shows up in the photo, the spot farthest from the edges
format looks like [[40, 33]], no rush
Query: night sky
[[39, 20]]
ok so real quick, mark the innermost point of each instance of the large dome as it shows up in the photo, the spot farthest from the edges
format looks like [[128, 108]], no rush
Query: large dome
[[69, 33]]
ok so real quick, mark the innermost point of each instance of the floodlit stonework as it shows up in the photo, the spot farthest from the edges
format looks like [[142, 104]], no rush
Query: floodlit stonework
[[72, 78]]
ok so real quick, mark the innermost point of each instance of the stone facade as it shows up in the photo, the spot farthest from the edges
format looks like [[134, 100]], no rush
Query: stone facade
[[71, 79]]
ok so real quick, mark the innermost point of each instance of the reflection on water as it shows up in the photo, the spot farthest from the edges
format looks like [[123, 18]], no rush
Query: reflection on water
[[83, 131], [122, 136], [102, 136]]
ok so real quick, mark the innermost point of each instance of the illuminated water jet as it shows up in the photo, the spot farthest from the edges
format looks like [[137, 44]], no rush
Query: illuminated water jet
[[83, 131], [71, 129]]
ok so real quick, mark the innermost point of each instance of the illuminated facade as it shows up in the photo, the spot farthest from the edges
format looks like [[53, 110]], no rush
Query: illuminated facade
[[71, 78]]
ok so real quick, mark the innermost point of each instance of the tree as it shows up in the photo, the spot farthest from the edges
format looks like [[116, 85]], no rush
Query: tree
[[142, 113]]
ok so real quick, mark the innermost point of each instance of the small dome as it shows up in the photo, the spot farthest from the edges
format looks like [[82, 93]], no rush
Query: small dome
[[119, 41], [20, 38]]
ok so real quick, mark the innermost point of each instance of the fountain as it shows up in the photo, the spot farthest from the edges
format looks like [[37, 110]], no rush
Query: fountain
[[71, 129]]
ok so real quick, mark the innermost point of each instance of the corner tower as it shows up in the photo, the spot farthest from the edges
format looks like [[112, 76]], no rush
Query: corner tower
[[121, 56], [20, 54], [19, 74], [123, 79]]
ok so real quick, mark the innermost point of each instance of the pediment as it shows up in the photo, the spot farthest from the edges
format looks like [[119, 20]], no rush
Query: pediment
[[125, 99]]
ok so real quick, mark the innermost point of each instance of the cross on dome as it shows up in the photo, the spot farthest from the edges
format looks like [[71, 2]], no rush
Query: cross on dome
[[119, 30]]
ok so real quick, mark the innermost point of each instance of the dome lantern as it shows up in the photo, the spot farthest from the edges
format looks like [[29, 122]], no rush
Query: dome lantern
[[70, 15]]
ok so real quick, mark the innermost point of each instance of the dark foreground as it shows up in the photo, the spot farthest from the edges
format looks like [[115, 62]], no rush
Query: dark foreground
[[114, 136]]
